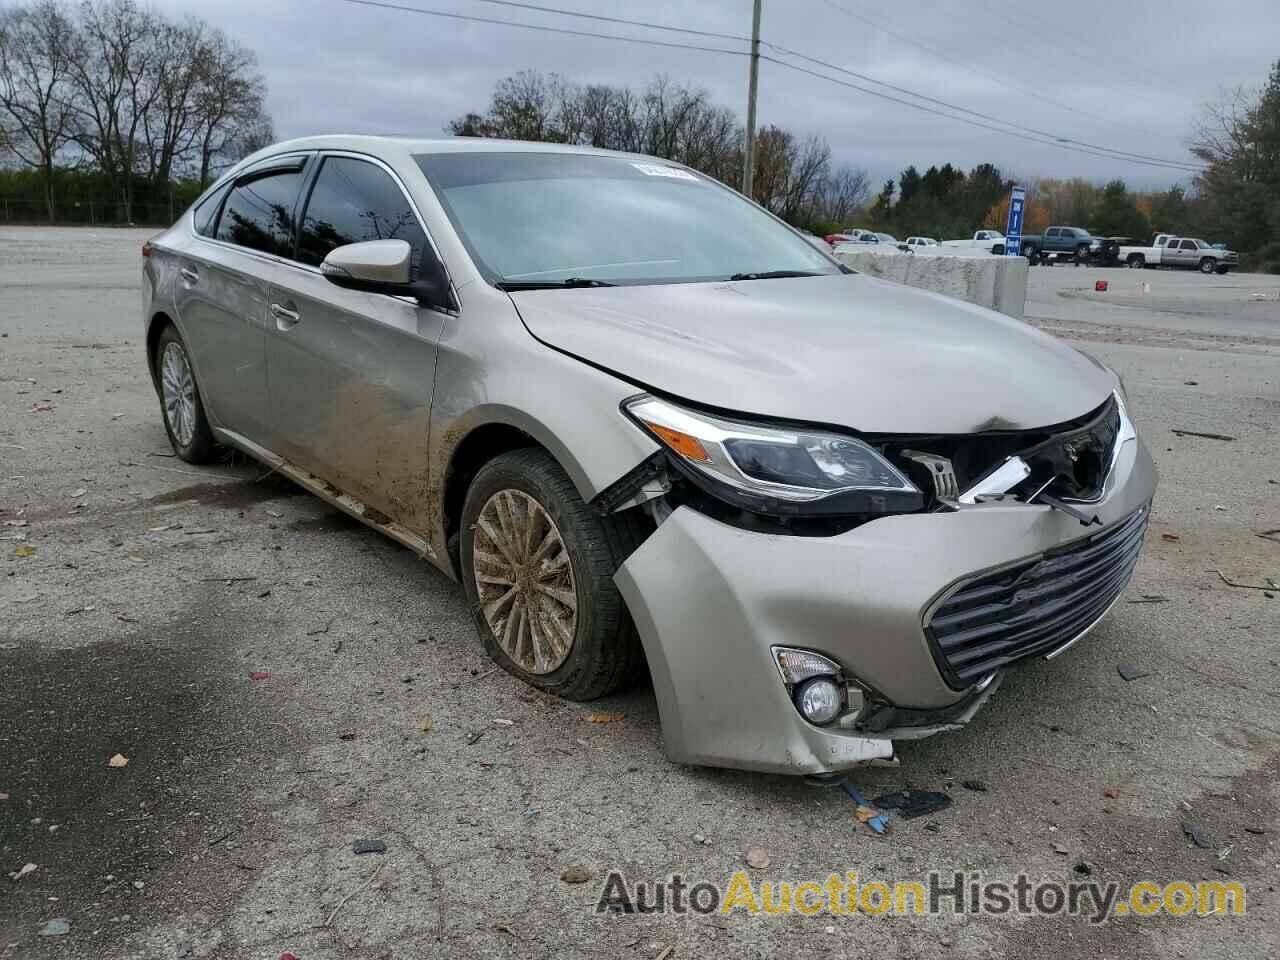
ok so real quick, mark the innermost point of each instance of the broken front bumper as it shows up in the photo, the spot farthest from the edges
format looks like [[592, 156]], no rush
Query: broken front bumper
[[710, 601]]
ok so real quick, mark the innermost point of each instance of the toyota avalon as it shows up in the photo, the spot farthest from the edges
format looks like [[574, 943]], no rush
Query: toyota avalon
[[651, 429]]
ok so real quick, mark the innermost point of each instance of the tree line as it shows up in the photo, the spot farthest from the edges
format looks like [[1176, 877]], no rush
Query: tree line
[[110, 101], [794, 176]]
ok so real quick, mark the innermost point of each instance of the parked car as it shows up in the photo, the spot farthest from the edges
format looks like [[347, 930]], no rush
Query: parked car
[[1058, 242], [921, 242], [649, 428], [1184, 252]]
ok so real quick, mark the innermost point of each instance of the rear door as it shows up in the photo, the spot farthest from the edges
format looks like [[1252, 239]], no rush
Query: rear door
[[351, 373], [221, 297]]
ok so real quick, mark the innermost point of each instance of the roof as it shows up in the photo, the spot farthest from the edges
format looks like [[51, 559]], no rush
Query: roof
[[416, 145]]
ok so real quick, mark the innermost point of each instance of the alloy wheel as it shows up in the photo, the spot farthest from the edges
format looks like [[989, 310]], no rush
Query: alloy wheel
[[525, 581], [178, 389]]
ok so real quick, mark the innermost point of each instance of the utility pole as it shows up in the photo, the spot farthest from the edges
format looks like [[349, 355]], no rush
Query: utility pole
[[748, 158]]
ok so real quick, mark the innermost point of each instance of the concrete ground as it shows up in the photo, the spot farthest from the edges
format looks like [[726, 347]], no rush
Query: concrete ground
[[158, 591]]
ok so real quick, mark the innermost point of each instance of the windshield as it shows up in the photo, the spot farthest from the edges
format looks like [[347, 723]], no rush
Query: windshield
[[1201, 245], [553, 217]]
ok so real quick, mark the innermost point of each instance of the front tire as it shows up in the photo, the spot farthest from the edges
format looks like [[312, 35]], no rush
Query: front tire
[[1029, 251], [537, 564], [1082, 255], [1222, 270], [180, 403], [1207, 265]]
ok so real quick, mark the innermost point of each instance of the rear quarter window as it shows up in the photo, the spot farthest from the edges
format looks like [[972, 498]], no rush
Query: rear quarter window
[[206, 212]]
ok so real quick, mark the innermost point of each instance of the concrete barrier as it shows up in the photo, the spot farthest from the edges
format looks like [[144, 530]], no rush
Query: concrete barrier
[[999, 283]]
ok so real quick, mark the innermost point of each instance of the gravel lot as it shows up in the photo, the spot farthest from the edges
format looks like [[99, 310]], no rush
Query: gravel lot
[[157, 590]]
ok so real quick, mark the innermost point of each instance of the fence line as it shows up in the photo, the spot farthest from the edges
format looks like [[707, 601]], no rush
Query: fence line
[[103, 213]]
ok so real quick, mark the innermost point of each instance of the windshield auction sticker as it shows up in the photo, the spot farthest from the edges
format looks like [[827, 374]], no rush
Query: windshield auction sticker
[[936, 894], [662, 170]]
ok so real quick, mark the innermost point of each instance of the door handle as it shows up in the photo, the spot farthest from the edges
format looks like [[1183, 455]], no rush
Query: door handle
[[286, 316], [189, 274]]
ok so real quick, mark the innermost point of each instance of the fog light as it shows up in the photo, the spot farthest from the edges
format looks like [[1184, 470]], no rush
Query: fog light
[[819, 700]]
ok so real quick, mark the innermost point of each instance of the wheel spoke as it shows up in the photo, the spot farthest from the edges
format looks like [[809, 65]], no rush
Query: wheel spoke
[[559, 634], [497, 539], [566, 597], [494, 607], [535, 637], [552, 568]]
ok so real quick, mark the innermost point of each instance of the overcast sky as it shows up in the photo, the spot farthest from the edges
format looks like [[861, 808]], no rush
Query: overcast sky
[[1124, 74]]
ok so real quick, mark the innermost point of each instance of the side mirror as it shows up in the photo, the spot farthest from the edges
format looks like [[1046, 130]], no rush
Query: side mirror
[[384, 266]]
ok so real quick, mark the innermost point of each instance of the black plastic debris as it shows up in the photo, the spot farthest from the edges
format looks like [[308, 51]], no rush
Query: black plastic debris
[[1129, 672], [912, 803], [1197, 835], [977, 786], [368, 846]]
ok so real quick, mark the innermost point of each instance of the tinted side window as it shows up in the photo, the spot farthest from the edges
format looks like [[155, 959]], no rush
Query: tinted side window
[[259, 213], [206, 215], [1188, 244], [1051, 232], [354, 201]]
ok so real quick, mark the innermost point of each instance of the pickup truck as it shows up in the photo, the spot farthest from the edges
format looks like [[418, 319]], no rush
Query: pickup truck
[[1076, 242], [991, 241], [1185, 252], [1139, 257]]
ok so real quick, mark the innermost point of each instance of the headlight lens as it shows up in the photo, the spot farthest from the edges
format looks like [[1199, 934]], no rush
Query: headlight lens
[[777, 469]]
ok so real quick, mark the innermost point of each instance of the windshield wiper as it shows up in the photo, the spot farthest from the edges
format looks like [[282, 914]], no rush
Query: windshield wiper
[[570, 284], [774, 275]]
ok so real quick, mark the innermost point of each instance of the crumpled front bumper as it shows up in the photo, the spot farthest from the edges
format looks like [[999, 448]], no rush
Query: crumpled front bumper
[[710, 600]]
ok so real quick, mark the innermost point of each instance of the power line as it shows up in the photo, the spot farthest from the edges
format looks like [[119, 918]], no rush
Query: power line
[[1036, 136], [604, 19], [980, 71], [545, 29], [951, 116], [1118, 154]]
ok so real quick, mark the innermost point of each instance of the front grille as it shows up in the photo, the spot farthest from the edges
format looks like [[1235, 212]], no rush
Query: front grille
[[1033, 607]]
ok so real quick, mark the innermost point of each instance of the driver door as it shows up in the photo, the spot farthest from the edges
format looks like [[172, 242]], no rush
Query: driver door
[[350, 374]]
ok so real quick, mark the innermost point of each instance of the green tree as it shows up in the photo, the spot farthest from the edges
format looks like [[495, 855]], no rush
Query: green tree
[[1238, 138], [1116, 213]]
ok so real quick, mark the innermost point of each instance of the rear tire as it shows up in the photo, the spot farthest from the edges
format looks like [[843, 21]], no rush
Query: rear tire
[[998, 250], [1207, 265], [1137, 261], [180, 403], [548, 614]]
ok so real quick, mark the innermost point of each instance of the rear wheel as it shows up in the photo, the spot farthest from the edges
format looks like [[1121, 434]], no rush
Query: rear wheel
[[1207, 265], [1137, 261], [998, 250], [537, 564], [184, 417]]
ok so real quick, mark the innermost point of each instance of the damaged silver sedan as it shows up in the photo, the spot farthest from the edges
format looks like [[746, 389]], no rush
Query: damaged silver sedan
[[651, 429]]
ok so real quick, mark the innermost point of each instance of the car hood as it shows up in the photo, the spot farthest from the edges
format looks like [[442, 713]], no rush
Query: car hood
[[844, 350]]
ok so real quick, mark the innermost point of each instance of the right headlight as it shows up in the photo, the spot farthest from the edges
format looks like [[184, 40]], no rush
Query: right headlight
[[776, 470]]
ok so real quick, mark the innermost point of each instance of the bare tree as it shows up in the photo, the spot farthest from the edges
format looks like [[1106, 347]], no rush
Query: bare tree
[[114, 74], [230, 116], [35, 116]]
